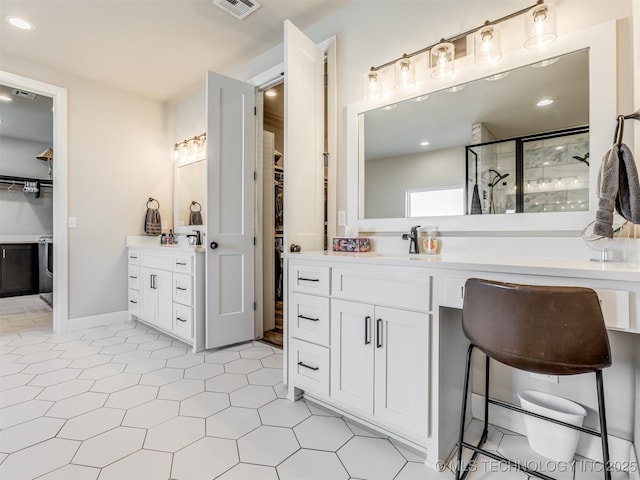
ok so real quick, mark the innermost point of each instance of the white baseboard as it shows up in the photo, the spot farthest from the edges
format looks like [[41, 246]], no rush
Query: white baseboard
[[621, 451], [97, 320]]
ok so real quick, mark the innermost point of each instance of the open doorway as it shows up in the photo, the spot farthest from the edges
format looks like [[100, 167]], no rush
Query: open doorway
[[26, 210], [273, 212]]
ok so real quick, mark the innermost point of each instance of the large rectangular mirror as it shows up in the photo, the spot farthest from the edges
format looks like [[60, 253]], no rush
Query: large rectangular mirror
[[415, 151], [499, 141]]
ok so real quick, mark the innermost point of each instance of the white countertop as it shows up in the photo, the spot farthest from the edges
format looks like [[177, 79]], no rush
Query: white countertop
[[621, 271], [141, 241], [22, 238]]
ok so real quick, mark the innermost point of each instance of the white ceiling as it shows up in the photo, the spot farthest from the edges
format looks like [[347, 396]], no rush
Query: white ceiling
[[156, 48]]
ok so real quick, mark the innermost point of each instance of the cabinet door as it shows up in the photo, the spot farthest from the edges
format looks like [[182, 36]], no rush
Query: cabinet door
[[19, 269], [164, 307], [148, 295], [352, 342], [402, 368]]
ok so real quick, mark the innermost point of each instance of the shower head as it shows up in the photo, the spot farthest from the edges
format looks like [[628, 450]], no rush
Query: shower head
[[497, 177]]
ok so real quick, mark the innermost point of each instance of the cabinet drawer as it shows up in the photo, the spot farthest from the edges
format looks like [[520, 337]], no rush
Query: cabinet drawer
[[410, 290], [183, 321], [615, 307], [182, 289], [134, 302], [309, 367], [309, 279], [134, 277], [309, 318], [133, 257], [156, 260], [183, 264]]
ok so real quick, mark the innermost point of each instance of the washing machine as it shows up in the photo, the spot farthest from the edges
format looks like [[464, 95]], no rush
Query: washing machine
[[45, 268]]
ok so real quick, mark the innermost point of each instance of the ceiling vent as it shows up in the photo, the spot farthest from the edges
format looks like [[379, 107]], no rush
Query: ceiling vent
[[23, 94], [238, 8]]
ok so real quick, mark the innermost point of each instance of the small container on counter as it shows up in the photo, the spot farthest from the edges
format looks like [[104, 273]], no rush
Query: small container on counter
[[430, 244]]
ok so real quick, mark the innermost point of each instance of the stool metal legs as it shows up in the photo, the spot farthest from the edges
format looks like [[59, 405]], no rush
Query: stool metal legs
[[462, 474]]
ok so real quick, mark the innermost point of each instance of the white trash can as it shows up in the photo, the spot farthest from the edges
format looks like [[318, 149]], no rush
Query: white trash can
[[550, 439]]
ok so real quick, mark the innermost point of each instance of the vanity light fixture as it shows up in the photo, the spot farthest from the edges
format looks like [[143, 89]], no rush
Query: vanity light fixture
[[540, 26], [487, 44], [373, 84], [18, 22], [442, 60], [405, 73], [540, 31], [190, 149]]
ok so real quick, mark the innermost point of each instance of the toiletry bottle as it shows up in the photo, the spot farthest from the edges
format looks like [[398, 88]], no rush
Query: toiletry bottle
[[171, 239], [163, 239]]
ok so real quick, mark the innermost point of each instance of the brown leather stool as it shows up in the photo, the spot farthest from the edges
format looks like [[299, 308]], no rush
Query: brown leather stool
[[540, 329]]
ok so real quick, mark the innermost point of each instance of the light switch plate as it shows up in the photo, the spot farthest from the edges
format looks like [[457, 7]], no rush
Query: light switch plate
[[342, 218], [165, 225], [72, 222]]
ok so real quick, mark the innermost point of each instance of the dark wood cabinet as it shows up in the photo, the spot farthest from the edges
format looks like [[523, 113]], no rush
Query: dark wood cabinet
[[18, 269]]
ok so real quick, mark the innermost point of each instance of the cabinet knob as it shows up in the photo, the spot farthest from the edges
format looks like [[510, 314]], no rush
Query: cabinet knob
[[213, 245]]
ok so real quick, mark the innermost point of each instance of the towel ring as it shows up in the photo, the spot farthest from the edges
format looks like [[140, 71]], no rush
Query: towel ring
[[617, 136], [193, 204], [151, 200]]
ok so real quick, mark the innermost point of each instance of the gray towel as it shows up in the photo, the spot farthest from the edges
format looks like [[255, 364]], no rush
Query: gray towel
[[618, 188], [195, 217], [152, 222]]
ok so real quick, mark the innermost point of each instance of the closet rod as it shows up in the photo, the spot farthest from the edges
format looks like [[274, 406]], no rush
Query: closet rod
[[22, 180]]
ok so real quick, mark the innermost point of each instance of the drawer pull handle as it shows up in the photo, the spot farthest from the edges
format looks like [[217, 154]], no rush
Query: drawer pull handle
[[132, 301], [180, 288], [180, 263], [302, 279], [181, 320], [379, 333], [309, 318], [131, 276], [367, 330], [302, 364]]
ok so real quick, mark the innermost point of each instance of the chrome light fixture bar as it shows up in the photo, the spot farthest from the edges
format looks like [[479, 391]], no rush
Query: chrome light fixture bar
[[540, 31]]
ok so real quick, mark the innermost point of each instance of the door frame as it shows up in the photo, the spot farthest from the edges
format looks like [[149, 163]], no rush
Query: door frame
[[262, 81], [60, 207]]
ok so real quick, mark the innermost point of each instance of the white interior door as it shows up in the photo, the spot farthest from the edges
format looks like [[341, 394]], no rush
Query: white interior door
[[303, 141], [230, 237]]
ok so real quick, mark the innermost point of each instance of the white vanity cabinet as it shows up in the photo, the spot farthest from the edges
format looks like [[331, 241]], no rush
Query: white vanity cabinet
[[166, 291], [358, 340], [380, 363], [308, 327]]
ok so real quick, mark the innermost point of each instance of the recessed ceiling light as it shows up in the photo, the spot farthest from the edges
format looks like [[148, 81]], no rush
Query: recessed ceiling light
[[497, 76], [545, 63], [18, 22], [5, 98], [544, 102], [270, 93], [424, 144], [457, 88]]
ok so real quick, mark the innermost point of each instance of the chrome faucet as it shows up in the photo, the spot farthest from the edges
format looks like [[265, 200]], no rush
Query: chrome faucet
[[413, 239]]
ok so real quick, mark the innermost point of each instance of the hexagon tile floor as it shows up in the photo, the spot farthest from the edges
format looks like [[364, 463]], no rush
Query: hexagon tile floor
[[128, 403]]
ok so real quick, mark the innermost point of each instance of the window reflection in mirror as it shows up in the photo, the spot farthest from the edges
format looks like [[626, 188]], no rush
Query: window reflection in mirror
[[191, 195], [420, 145]]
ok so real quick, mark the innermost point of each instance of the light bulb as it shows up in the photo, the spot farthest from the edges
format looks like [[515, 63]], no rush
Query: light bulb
[[372, 85]]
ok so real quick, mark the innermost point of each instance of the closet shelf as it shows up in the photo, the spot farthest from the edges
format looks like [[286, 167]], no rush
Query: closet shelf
[[39, 182]]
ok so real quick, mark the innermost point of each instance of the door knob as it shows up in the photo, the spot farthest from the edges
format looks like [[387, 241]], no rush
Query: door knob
[[294, 248], [213, 245]]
